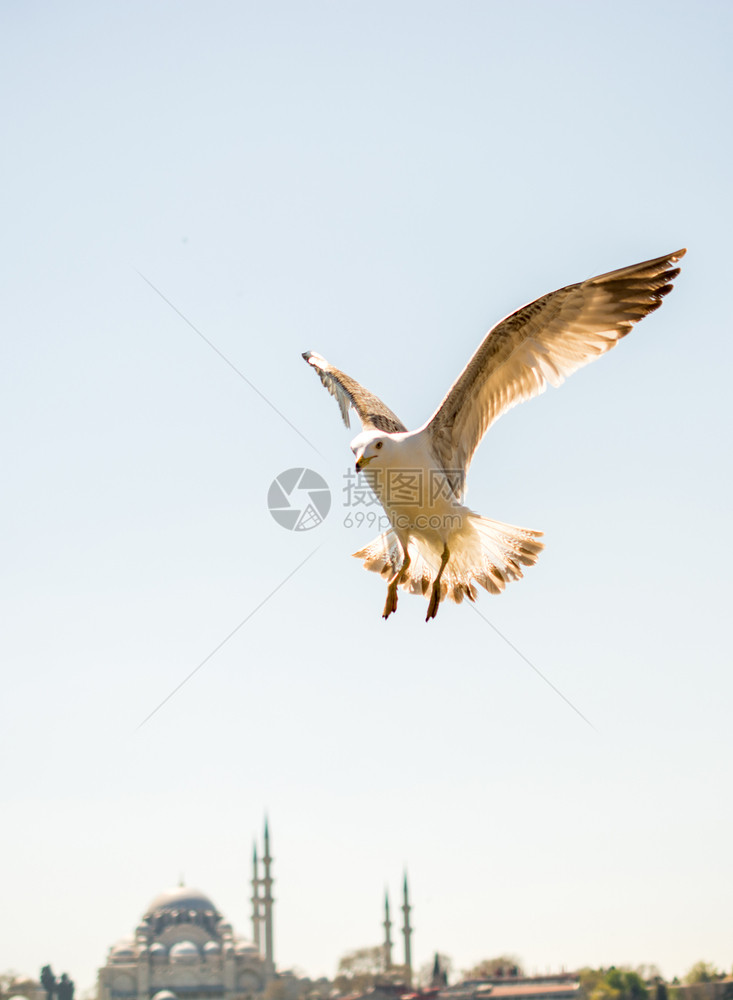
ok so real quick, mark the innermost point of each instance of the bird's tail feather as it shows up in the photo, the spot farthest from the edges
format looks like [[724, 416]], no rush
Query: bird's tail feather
[[484, 552]]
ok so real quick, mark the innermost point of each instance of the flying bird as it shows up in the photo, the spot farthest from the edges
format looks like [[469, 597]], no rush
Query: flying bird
[[435, 545]]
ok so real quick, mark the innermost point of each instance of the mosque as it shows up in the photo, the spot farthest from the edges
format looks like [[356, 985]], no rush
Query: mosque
[[184, 949]]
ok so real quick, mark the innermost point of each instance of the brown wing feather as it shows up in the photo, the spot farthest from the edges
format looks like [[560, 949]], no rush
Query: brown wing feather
[[544, 341], [369, 408]]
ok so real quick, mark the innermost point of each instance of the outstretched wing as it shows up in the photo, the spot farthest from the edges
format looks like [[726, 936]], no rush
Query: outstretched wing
[[543, 342], [369, 408]]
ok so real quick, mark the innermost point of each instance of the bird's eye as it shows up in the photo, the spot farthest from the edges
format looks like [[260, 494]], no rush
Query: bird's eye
[[378, 445]]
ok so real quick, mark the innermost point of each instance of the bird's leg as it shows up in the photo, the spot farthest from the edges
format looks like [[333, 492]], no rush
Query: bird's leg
[[435, 595], [391, 602]]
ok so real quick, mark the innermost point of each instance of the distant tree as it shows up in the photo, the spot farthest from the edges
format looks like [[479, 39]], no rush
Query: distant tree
[[613, 984], [649, 973], [359, 970], [491, 968], [702, 972], [362, 960], [363, 968], [629, 984], [589, 979]]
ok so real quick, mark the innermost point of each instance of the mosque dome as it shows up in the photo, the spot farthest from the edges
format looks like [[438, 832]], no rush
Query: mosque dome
[[184, 952], [183, 897], [123, 951], [246, 948], [212, 948], [158, 951], [165, 995]]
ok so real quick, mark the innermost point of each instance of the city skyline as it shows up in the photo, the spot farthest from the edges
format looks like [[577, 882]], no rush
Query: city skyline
[[260, 930]]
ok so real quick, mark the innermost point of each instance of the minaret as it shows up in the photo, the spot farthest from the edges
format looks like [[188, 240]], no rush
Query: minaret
[[387, 934], [256, 915], [268, 901], [407, 931]]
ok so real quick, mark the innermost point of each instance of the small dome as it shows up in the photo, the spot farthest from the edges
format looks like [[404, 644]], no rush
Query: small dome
[[165, 995], [246, 948], [158, 951], [184, 951], [212, 948], [182, 898], [123, 951]]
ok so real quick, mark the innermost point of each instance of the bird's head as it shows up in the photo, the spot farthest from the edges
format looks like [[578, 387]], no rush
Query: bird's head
[[371, 446]]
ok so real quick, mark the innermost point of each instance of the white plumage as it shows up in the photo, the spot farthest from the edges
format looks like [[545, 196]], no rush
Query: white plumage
[[435, 544]]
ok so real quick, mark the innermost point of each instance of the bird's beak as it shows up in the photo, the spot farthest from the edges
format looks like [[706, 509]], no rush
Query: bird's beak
[[361, 462]]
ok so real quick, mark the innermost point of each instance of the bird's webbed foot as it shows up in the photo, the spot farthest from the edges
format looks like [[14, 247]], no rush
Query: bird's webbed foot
[[434, 603]]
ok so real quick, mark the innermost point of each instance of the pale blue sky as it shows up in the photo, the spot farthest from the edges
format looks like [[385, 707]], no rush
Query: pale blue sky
[[379, 182]]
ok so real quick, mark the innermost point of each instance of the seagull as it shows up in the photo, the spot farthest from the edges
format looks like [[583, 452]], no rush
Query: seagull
[[435, 544]]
